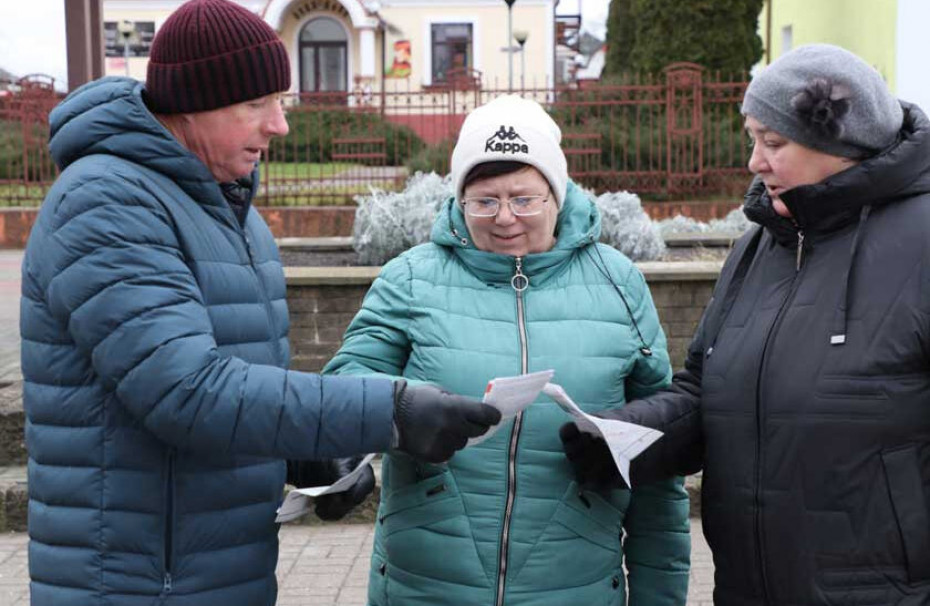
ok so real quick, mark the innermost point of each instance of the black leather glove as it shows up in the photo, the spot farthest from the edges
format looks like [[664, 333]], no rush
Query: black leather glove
[[334, 506], [591, 460], [432, 424]]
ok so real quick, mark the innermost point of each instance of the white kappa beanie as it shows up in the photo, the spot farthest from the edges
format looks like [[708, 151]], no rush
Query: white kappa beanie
[[511, 129]]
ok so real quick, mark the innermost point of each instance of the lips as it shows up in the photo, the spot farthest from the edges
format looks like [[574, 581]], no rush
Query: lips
[[507, 236]]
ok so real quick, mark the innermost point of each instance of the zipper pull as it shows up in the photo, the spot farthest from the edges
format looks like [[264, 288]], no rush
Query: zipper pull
[[519, 282], [800, 250], [167, 588]]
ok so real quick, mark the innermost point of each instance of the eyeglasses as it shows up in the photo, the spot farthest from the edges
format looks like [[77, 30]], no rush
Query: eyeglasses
[[521, 206]]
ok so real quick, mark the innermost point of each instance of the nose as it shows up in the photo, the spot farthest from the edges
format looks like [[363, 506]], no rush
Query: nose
[[505, 215], [757, 162], [276, 124]]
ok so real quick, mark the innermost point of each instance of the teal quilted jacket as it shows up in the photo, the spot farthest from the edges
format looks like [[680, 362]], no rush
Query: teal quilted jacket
[[503, 523]]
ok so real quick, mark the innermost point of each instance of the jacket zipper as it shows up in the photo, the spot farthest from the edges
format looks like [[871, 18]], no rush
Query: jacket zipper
[[760, 531], [169, 524], [797, 265], [268, 311], [519, 282]]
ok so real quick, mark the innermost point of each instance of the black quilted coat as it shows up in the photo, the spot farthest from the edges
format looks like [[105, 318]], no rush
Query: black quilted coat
[[806, 393]]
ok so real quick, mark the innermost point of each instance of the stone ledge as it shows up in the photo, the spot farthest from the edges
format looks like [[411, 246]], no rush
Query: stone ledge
[[325, 244], [708, 239], [654, 271], [680, 271], [331, 276]]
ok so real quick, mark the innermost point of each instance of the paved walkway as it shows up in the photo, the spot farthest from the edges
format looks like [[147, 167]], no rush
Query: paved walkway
[[318, 566], [323, 566]]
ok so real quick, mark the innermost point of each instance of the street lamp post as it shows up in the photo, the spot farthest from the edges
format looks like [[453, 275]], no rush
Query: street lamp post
[[520, 36], [510, 44], [126, 29]]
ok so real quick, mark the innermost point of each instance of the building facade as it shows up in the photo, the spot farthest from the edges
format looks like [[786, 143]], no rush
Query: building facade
[[351, 45], [888, 34]]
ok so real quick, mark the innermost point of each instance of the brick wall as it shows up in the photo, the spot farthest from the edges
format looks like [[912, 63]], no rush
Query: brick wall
[[322, 302]]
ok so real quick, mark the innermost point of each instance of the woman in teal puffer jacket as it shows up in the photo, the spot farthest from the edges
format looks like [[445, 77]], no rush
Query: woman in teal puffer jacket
[[514, 281]]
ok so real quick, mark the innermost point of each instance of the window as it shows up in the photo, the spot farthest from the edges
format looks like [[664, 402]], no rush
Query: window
[[451, 48], [323, 56]]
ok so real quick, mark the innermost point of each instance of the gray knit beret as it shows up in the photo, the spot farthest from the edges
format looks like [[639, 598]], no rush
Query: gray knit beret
[[826, 98]]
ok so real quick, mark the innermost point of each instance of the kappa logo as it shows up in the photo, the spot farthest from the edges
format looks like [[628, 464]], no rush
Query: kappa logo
[[506, 141]]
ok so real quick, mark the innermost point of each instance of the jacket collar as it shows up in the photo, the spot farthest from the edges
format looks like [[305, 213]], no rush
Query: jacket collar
[[578, 225]]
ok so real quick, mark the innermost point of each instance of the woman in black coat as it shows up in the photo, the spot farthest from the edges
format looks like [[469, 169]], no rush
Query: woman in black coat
[[805, 396]]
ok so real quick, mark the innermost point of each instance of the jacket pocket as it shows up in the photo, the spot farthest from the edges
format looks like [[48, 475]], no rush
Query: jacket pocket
[[906, 490], [580, 546], [592, 518], [421, 504], [377, 582], [420, 525]]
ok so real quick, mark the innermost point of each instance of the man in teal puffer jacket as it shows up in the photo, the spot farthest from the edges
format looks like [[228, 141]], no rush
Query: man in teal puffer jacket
[[154, 338], [514, 281]]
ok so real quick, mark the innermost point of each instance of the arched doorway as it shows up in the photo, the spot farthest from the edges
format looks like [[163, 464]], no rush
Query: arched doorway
[[323, 56]]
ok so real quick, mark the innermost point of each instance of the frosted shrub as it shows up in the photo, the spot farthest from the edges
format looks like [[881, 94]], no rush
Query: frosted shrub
[[734, 223], [627, 227], [388, 223]]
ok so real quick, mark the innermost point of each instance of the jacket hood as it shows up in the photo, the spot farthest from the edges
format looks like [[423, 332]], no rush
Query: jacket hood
[[578, 224], [109, 116], [899, 172]]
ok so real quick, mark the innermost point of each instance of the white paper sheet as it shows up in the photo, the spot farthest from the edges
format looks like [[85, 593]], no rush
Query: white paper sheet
[[297, 503], [510, 395], [625, 440]]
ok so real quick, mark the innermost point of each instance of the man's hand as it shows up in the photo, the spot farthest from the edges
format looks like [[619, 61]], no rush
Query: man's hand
[[591, 461], [334, 506], [432, 424]]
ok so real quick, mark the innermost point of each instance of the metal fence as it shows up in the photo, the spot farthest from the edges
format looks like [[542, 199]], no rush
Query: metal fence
[[677, 134]]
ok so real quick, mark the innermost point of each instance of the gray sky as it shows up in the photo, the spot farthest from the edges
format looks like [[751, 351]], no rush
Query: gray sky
[[32, 34]]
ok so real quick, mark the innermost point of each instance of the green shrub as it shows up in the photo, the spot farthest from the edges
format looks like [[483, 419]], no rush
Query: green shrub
[[39, 162], [633, 138], [312, 134], [432, 158], [722, 34]]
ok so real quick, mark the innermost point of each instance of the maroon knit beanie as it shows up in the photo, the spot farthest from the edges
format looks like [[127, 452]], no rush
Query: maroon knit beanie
[[213, 53]]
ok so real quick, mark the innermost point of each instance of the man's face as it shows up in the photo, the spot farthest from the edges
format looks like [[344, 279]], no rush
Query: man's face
[[230, 140]]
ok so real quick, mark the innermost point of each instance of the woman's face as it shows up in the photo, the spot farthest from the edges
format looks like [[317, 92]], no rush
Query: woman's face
[[507, 233], [784, 164]]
